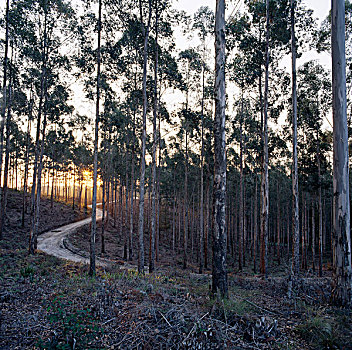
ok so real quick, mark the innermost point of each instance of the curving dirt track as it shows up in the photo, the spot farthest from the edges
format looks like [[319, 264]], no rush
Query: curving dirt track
[[53, 242]]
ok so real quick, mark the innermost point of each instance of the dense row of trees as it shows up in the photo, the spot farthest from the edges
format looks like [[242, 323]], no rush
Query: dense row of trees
[[165, 170]]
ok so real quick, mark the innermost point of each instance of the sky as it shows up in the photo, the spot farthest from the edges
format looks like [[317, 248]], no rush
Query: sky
[[321, 7]]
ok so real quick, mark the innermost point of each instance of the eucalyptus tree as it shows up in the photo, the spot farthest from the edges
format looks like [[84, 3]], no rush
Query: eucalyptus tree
[[95, 154], [26, 159], [4, 87], [342, 292], [8, 123], [219, 283], [155, 141], [145, 32], [295, 193]]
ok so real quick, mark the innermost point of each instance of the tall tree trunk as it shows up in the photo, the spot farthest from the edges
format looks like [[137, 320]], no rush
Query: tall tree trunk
[[201, 218], [155, 113], [130, 241], [278, 250], [342, 292], [144, 136], [320, 208], [35, 224], [174, 221], [255, 226], [53, 180], [103, 220], [4, 88], [125, 212], [265, 174], [219, 283], [158, 199], [295, 212], [120, 212], [313, 235], [32, 241], [244, 231], [25, 177], [85, 200], [185, 201], [95, 165], [7, 154], [241, 209], [74, 187], [207, 231], [158, 209]]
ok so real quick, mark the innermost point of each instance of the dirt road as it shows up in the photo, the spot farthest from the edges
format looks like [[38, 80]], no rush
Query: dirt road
[[55, 242]]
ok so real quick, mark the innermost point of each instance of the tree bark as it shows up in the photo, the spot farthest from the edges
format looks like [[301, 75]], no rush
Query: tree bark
[[278, 221], [155, 112], [125, 212], [130, 241], [4, 88], [185, 200], [255, 226], [7, 154], [25, 178], [320, 208], [35, 224], [201, 223], [241, 209], [95, 165], [313, 235], [265, 174], [37, 141], [342, 291], [103, 220], [144, 136], [295, 213], [219, 281]]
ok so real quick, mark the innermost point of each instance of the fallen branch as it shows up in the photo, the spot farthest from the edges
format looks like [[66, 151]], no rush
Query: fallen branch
[[165, 318], [190, 332], [106, 322]]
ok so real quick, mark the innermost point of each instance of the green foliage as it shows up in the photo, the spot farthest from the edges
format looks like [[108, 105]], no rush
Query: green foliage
[[238, 307], [75, 326], [27, 271], [319, 332]]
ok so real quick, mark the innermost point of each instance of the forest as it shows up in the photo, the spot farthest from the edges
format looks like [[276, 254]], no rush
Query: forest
[[175, 180]]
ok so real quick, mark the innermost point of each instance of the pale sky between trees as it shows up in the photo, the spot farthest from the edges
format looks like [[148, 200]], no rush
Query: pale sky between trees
[[321, 9]]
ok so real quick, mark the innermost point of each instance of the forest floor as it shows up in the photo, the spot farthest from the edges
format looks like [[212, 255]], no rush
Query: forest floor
[[49, 303]]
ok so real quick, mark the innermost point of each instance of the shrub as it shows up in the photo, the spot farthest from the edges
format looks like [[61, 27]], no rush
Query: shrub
[[75, 328]]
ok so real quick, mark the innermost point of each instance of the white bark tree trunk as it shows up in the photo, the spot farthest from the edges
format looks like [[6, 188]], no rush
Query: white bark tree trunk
[[342, 292], [219, 230], [95, 165], [295, 213], [144, 136]]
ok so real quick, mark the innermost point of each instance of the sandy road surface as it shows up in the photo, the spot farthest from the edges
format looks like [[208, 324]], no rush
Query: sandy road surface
[[52, 242]]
